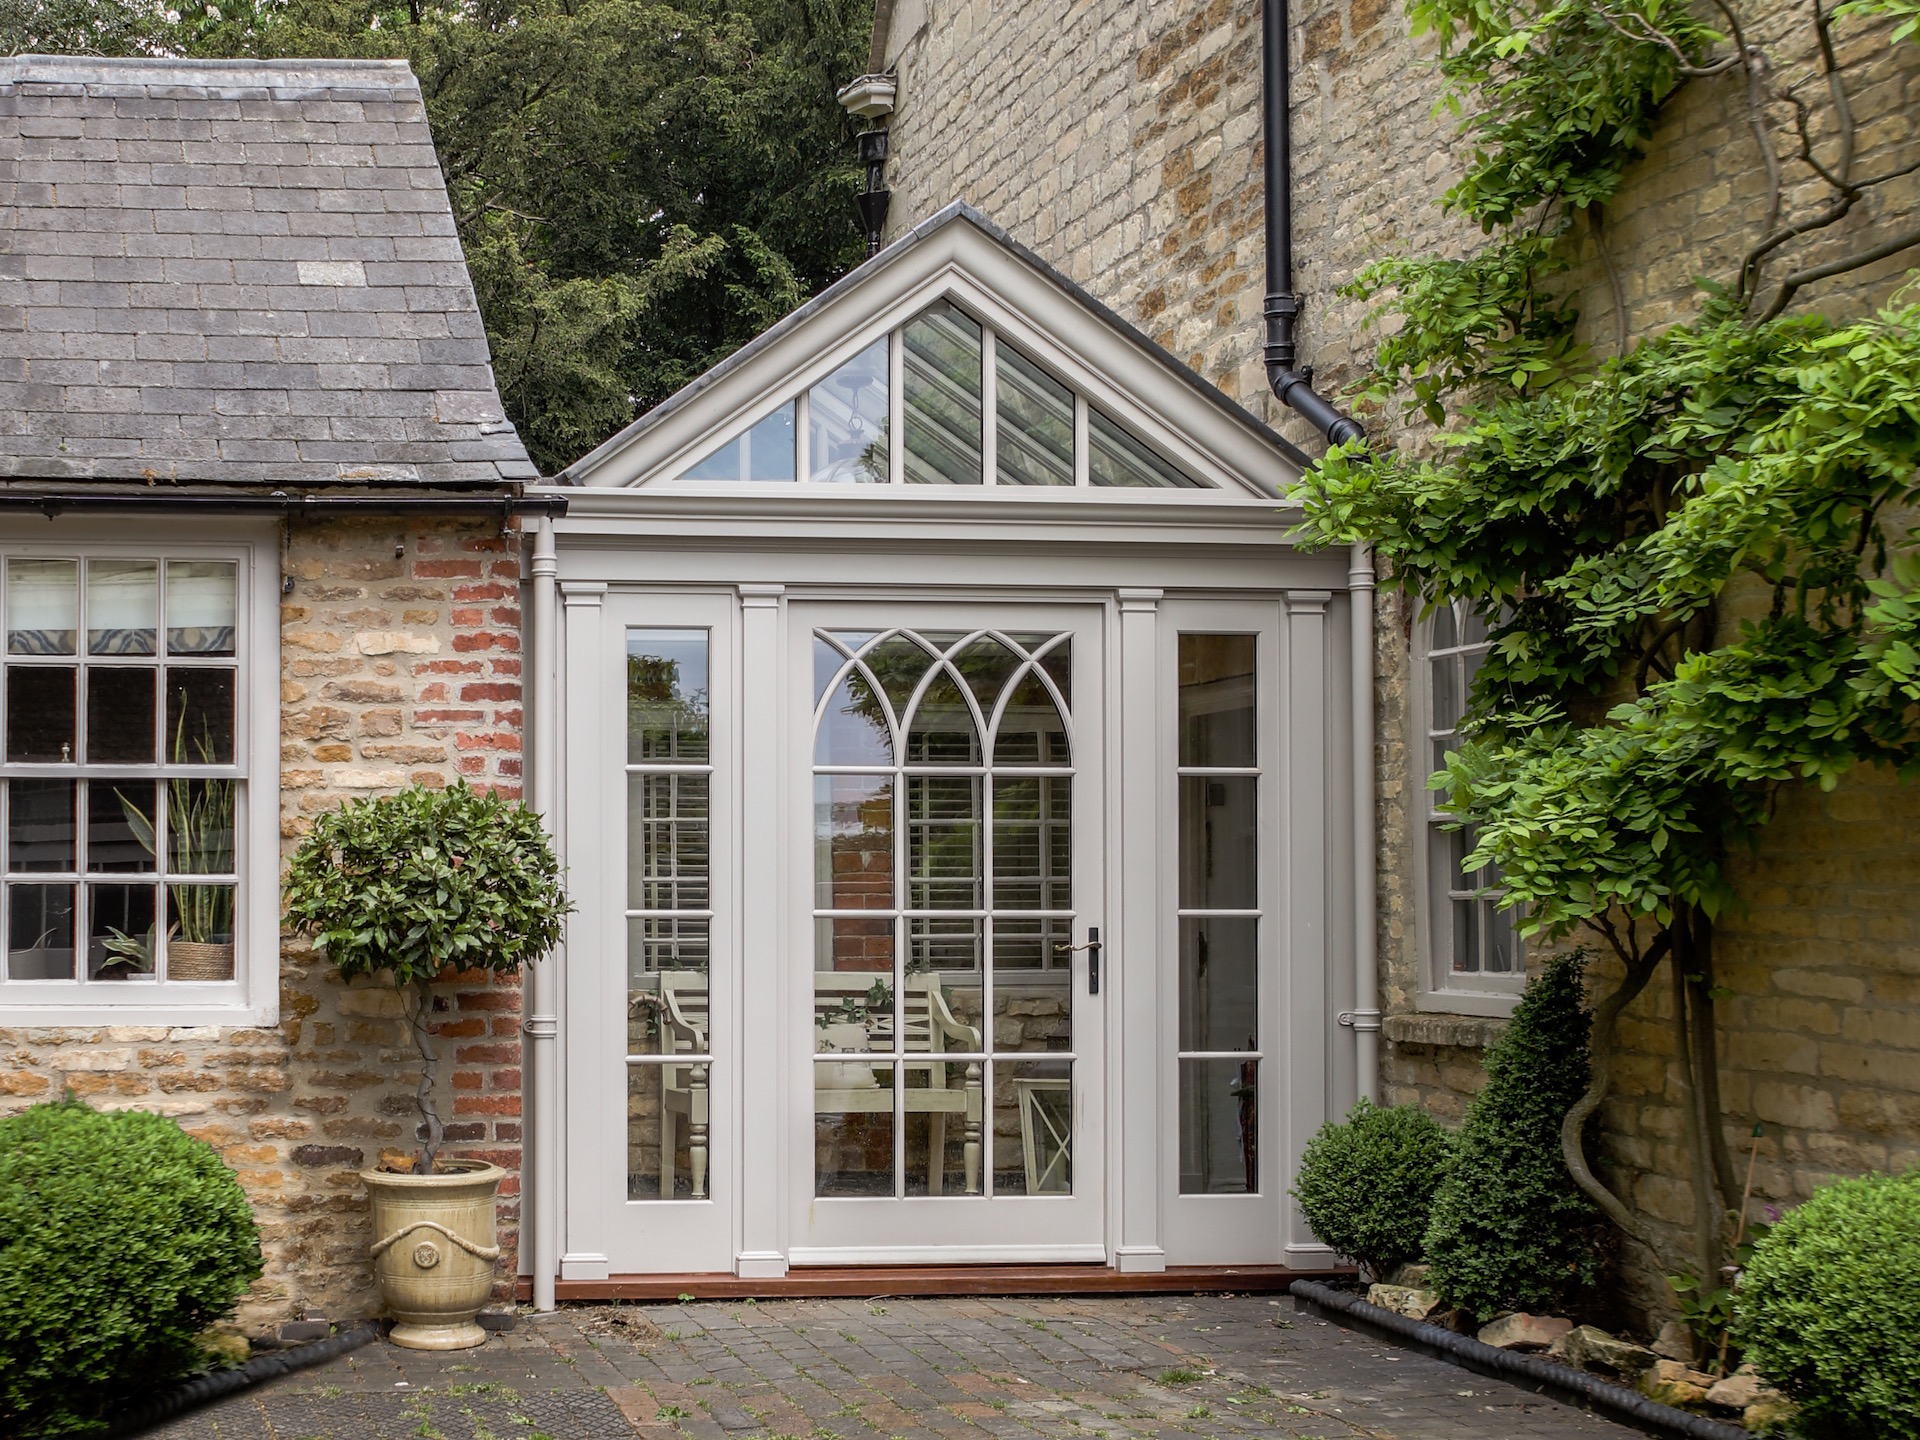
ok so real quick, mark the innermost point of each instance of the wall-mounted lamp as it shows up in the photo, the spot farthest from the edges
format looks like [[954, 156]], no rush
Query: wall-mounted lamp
[[871, 98]]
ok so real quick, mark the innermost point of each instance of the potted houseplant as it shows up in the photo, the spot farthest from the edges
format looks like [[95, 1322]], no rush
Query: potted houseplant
[[411, 887]]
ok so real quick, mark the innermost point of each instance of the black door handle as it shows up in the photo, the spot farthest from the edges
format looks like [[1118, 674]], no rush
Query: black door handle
[[1092, 947]]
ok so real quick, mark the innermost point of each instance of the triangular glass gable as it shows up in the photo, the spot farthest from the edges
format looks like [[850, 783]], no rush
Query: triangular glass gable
[[974, 411]]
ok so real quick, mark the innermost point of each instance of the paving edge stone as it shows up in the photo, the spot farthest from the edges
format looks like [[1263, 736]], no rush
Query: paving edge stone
[[1529, 1372], [218, 1383]]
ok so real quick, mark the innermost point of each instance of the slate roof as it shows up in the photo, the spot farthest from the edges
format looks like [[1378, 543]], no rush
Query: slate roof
[[235, 272]]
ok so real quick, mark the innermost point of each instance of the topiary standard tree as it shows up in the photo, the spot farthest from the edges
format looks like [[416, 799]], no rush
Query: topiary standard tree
[[420, 884], [1511, 1230], [1367, 1185], [1696, 556], [121, 1239]]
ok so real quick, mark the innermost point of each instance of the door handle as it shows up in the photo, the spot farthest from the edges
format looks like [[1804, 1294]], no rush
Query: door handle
[[1092, 947]]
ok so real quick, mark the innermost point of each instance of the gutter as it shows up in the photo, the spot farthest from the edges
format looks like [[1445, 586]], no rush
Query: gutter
[[53, 503], [1293, 385]]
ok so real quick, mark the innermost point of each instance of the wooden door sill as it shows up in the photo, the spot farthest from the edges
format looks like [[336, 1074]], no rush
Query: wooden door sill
[[874, 1281]]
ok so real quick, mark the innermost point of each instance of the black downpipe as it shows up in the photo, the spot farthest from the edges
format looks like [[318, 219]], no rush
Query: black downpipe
[[1293, 386]]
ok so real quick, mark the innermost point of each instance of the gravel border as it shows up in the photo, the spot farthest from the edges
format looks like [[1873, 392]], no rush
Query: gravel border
[[216, 1383], [1530, 1372]]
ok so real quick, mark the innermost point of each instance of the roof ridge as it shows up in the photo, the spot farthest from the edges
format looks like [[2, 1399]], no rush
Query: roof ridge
[[210, 74]]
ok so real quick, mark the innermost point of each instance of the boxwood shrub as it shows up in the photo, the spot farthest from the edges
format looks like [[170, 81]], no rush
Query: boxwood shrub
[[121, 1239], [1366, 1184], [1829, 1309]]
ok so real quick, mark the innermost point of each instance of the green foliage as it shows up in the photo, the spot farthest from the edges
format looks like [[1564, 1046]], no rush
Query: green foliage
[[641, 186], [1510, 1229], [121, 1239], [1830, 1305], [1366, 1184], [427, 881], [1707, 1310]]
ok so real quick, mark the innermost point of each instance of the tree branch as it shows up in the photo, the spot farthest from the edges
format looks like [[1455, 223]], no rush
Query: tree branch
[[1906, 240], [1620, 318], [1836, 91], [417, 1014]]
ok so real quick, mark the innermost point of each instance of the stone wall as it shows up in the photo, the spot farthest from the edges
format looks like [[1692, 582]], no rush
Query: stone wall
[[1121, 140], [400, 664]]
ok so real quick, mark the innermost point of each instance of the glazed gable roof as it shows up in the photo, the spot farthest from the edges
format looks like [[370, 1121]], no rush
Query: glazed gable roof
[[956, 252], [235, 272]]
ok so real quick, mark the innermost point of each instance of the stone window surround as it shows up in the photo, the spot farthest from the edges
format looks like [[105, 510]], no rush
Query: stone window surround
[[1440, 989], [252, 997]]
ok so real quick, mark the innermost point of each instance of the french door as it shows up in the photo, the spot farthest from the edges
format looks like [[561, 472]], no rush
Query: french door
[[943, 1082]]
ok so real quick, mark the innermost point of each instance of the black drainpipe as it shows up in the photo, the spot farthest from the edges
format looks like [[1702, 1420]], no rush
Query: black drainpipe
[[1294, 386]]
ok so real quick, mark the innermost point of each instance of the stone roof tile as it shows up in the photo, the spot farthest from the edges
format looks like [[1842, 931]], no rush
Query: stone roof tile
[[235, 271]]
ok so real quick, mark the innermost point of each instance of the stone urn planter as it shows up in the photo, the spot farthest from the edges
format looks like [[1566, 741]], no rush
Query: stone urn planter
[[434, 1251]]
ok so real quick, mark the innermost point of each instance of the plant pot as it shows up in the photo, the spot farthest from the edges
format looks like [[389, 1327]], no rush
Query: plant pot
[[434, 1251], [193, 960], [844, 1037]]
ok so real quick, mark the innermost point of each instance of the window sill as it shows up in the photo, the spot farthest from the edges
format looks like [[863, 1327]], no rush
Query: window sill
[[1457, 1030], [185, 1013]]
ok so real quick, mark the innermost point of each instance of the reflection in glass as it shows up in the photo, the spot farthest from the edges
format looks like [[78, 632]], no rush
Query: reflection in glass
[[853, 1128], [847, 421], [943, 1103], [945, 946], [1033, 1127], [987, 665], [40, 932], [853, 842], [1031, 731], [1217, 700], [121, 943], [200, 716], [1219, 856], [669, 1128], [764, 452], [1032, 989], [43, 606], [1219, 1127], [123, 606], [943, 842], [1115, 458], [120, 825], [852, 945], [667, 842], [40, 825], [657, 944], [40, 713], [941, 406], [1032, 842], [853, 727], [827, 658], [898, 662], [942, 730], [1219, 982], [120, 715], [666, 696], [200, 607], [1034, 441]]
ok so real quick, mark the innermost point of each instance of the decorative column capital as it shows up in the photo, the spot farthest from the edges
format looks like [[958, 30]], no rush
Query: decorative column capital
[[1139, 601], [755, 596], [575, 594]]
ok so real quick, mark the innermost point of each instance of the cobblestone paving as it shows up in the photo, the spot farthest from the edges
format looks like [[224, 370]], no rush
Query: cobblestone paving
[[1125, 1368]]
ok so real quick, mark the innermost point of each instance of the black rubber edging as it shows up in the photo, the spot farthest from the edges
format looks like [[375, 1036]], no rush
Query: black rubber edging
[[216, 1383], [1530, 1372]]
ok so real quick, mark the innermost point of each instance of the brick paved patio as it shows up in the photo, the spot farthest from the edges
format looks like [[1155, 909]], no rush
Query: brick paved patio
[[872, 1369]]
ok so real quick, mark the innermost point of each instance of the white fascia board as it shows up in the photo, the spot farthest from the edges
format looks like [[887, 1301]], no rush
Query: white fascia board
[[1040, 317]]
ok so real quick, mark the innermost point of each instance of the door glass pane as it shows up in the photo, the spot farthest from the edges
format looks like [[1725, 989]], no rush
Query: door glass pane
[[941, 406], [944, 1101], [942, 731], [987, 664], [943, 842], [123, 606], [1031, 730], [669, 1128], [1034, 440], [1033, 1127], [199, 716], [854, 729], [120, 715], [764, 452], [43, 606], [1219, 983], [40, 932], [200, 607], [1219, 860], [1219, 1127], [1032, 842], [120, 825], [40, 825], [1217, 700], [667, 842], [1115, 458], [40, 713], [666, 696], [898, 662], [947, 948], [121, 944], [853, 1127], [1032, 984], [853, 842], [847, 424]]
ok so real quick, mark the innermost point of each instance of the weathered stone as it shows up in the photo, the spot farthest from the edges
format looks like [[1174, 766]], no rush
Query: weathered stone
[[1413, 1275], [1524, 1332], [1674, 1342], [1404, 1300], [1670, 1382], [1591, 1348], [1739, 1390]]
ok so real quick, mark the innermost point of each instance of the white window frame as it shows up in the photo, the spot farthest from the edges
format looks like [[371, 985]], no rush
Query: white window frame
[[1441, 988], [252, 997]]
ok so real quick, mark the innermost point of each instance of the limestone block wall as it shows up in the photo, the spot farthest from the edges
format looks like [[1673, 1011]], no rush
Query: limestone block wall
[[1120, 139], [400, 664]]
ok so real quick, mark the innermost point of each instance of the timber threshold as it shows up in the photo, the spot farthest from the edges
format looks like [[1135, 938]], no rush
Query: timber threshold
[[872, 1281]]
